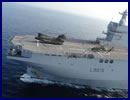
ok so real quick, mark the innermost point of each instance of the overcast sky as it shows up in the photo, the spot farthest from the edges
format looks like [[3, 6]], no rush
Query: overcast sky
[[103, 10]]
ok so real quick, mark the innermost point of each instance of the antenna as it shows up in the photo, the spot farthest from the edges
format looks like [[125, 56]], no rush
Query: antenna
[[123, 18]]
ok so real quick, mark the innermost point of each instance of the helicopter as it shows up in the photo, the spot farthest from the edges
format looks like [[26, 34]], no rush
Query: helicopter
[[59, 40]]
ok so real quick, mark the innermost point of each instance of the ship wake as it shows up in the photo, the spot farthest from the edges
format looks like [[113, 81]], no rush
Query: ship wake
[[28, 79]]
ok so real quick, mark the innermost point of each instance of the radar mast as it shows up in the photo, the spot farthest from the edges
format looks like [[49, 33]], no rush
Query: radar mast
[[123, 19]]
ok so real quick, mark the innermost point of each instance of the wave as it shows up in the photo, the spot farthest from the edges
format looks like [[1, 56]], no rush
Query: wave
[[27, 79]]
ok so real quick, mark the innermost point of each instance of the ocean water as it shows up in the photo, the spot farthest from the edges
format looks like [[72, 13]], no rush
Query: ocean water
[[19, 20]]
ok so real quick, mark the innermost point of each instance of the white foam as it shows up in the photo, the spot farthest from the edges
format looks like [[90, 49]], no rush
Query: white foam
[[26, 78]]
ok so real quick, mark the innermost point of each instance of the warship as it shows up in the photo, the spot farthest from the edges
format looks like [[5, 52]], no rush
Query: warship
[[100, 63]]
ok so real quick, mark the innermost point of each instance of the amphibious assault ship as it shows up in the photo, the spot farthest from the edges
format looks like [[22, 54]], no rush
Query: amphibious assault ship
[[100, 63]]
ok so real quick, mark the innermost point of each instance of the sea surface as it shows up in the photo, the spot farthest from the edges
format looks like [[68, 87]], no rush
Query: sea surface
[[19, 19]]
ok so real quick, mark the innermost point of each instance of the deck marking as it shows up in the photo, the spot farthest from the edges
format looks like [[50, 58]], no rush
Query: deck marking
[[120, 53], [106, 53], [77, 49], [100, 54]]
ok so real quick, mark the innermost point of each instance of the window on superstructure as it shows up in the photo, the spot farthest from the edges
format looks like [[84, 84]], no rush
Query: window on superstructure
[[111, 61], [106, 61], [101, 60], [90, 56]]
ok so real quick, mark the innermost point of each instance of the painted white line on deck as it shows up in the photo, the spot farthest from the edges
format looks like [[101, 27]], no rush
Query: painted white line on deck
[[120, 53], [120, 50], [99, 54], [77, 49], [105, 53]]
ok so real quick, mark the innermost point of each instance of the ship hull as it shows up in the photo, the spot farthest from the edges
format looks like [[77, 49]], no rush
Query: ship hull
[[81, 71], [36, 76]]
